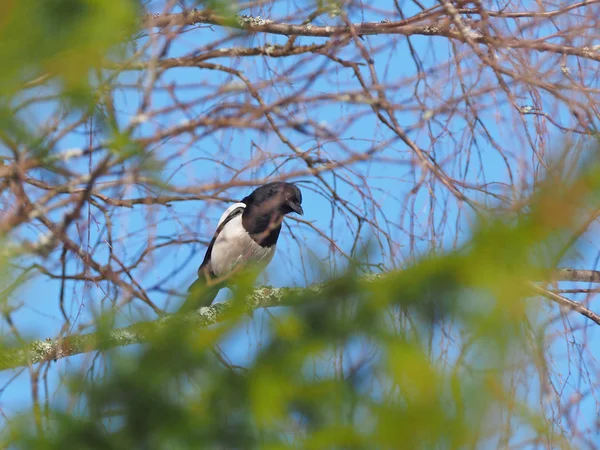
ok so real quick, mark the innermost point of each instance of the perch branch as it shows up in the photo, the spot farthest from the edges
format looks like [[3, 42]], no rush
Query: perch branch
[[263, 297]]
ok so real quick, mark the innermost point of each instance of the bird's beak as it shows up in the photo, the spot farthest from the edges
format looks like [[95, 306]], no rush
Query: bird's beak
[[296, 208]]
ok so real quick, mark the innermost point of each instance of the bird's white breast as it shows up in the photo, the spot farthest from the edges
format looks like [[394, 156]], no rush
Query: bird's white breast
[[234, 246]]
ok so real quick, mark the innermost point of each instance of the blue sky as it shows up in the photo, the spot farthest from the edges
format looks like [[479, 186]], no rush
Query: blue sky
[[299, 262]]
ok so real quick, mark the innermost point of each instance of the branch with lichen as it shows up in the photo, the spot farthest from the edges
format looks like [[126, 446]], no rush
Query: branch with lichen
[[54, 349], [260, 24], [263, 297], [438, 26]]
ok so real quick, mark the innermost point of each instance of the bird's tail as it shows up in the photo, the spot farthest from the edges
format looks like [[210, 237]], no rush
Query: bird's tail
[[199, 295]]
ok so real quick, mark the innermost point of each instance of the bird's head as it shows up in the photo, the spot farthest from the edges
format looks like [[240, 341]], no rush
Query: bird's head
[[277, 196]]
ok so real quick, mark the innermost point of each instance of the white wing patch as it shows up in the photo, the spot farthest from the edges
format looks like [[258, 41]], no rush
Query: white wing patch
[[234, 246], [228, 211]]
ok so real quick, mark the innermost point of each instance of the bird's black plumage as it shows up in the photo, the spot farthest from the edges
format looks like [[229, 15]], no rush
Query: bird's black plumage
[[247, 233], [265, 209]]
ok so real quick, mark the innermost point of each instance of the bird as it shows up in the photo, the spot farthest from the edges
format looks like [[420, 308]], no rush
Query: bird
[[246, 235]]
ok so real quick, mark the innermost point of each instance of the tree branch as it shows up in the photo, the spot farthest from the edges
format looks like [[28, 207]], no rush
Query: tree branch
[[579, 275], [263, 297], [45, 350], [406, 27], [567, 303], [259, 24]]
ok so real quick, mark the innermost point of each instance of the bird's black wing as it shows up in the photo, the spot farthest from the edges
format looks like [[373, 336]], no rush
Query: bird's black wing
[[236, 212], [199, 294]]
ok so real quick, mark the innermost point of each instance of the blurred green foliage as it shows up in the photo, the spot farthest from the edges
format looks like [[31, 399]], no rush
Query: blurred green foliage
[[301, 391], [308, 387], [63, 38]]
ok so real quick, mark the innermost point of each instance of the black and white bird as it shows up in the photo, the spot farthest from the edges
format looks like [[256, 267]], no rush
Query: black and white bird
[[246, 234]]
